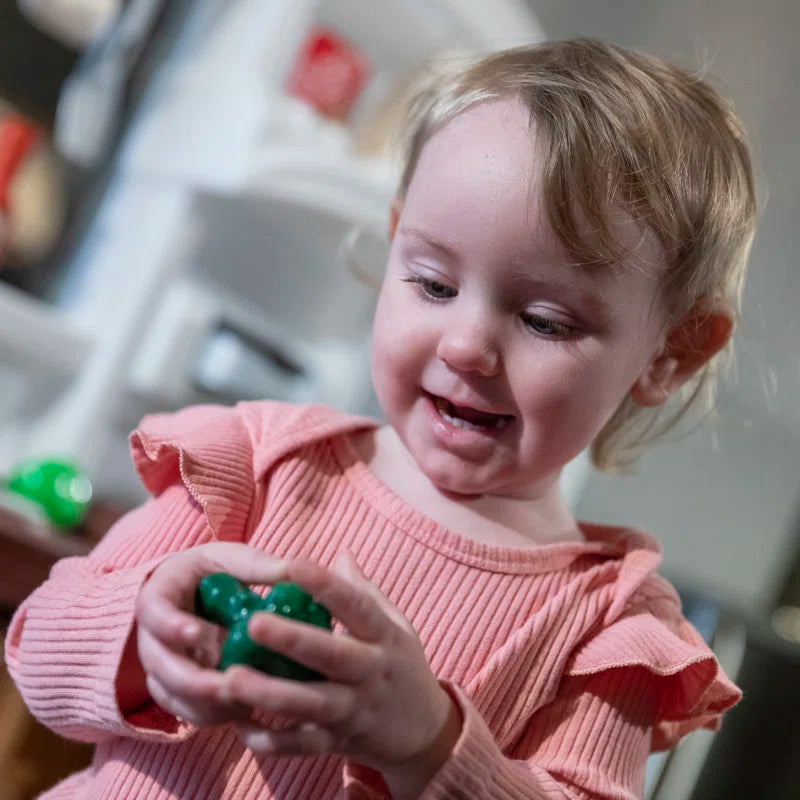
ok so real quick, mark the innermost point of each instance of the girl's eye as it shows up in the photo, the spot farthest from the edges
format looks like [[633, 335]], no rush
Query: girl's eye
[[547, 327], [433, 290]]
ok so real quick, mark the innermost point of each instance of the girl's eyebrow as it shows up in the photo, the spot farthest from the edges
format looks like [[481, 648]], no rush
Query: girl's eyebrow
[[430, 241], [589, 292]]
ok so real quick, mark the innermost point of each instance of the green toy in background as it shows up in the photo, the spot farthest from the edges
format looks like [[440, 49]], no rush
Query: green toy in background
[[58, 487], [222, 599]]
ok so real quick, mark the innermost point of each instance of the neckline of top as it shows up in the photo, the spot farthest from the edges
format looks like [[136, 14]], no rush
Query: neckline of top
[[601, 540]]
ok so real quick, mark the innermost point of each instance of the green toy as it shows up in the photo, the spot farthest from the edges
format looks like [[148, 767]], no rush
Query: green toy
[[58, 487], [222, 599]]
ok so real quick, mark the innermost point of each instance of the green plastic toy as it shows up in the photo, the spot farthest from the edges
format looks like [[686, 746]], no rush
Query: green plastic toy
[[58, 487], [222, 599]]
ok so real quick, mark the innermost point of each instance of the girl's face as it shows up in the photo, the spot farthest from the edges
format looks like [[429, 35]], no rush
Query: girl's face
[[495, 359]]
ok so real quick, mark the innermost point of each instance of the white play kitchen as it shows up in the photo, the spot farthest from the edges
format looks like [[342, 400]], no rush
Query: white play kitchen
[[211, 270]]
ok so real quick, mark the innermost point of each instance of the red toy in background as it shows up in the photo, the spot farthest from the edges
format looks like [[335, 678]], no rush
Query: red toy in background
[[17, 137], [33, 197], [328, 73]]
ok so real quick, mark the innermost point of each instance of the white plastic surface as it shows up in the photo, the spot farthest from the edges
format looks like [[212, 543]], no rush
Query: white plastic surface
[[35, 338], [228, 199]]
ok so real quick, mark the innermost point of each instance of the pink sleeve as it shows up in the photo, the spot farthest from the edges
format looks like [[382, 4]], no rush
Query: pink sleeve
[[209, 449], [691, 689], [590, 743], [637, 686], [65, 644]]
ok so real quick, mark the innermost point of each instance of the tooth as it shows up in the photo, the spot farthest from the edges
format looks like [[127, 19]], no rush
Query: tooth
[[442, 407], [460, 423]]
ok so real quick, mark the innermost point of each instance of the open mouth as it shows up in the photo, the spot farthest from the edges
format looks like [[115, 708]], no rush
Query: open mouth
[[470, 419]]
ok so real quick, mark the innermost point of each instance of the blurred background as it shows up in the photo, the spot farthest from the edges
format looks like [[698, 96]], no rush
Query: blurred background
[[176, 182]]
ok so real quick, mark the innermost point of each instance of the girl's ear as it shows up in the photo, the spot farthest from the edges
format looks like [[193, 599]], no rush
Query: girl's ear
[[394, 216], [689, 345]]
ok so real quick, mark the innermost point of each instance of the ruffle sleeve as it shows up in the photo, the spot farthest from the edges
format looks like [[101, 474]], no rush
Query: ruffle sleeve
[[208, 448], [689, 687], [221, 453]]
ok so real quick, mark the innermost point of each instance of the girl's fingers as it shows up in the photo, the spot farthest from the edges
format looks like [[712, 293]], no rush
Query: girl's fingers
[[350, 603], [339, 658], [170, 703], [323, 702], [206, 652], [158, 614], [166, 601], [248, 564], [347, 566], [306, 739], [180, 676], [194, 713]]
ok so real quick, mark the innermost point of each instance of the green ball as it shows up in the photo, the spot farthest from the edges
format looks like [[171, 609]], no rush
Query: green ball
[[222, 599], [226, 601], [239, 648], [59, 487], [289, 600]]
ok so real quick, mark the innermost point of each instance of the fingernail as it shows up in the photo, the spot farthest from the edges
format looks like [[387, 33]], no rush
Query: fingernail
[[257, 739], [352, 565], [344, 564], [191, 631]]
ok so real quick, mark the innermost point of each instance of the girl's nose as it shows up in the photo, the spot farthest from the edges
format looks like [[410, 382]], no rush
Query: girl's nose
[[469, 348]]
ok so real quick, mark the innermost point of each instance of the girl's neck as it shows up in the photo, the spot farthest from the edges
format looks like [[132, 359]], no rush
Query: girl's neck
[[498, 520]]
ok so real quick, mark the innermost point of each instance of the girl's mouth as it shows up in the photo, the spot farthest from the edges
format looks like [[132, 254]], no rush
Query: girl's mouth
[[470, 419]]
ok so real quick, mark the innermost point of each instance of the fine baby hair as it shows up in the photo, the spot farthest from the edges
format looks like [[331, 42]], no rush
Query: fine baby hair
[[622, 131]]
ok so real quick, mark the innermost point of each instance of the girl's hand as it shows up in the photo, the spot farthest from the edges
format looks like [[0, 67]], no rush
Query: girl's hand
[[381, 705], [178, 650]]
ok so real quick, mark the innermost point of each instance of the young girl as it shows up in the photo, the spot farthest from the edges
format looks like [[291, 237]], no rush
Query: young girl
[[568, 247]]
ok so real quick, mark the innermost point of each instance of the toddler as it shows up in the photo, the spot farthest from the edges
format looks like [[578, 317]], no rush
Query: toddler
[[568, 245]]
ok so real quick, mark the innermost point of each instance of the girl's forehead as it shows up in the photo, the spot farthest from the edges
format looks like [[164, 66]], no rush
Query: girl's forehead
[[480, 175], [479, 169], [488, 136]]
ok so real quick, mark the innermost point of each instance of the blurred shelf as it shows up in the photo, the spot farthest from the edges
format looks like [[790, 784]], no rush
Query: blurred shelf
[[224, 209], [32, 758], [37, 337], [28, 549]]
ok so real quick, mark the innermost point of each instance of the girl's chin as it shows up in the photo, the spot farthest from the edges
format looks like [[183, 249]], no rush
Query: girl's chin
[[465, 487], [459, 493], [471, 487]]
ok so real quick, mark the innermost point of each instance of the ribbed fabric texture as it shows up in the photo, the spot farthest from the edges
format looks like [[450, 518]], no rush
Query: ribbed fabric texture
[[568, 662]]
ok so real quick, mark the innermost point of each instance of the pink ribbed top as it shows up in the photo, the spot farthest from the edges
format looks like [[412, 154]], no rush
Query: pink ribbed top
[[569, 662]]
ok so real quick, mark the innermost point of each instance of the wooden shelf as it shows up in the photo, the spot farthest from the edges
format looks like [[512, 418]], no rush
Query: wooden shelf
[[32, 758], [27, 552]]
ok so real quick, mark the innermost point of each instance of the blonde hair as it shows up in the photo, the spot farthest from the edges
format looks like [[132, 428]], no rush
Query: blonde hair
[[621, 129]]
